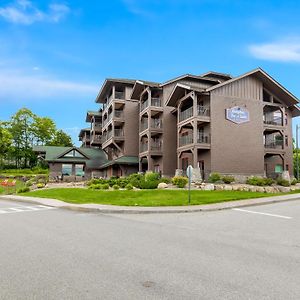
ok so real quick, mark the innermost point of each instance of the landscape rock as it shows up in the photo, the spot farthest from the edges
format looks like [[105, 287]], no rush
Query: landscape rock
[[270, 189], [209, 187], [162, 185], [284, 189], [219, 187], [227, 187]]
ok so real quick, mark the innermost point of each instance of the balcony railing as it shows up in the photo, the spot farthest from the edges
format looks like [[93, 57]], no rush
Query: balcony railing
[[188, 113], [155, 102], [119, 132], [185, 140], [119, 114], [273, 121], [144, 105], [144, 125], [156, 123], [97, 139], [157, 146], [203, 139], [274, 145], [144, 147]]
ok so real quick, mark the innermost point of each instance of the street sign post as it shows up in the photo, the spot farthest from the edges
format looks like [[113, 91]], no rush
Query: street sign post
[[189, 172]]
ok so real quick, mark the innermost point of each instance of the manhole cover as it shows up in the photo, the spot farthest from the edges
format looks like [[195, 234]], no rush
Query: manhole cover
[[148, 284]]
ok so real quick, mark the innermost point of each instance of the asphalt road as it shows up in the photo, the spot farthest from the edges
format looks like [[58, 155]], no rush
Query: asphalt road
[[252, 253]]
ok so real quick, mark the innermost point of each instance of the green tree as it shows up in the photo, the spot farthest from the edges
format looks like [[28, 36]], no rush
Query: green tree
[[44, 130], [61, 139], [5, 142]]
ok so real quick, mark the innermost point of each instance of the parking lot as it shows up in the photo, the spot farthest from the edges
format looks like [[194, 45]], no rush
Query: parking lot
[[249, 253]]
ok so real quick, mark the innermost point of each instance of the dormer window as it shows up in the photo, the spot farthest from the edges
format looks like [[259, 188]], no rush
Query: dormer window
[[73, 153]]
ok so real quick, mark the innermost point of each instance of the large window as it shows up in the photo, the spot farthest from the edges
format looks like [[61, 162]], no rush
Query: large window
[[79, 170], [73, 153], [67, 169]]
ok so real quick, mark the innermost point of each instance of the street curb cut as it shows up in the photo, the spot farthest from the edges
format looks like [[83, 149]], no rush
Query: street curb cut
[[146, 210]]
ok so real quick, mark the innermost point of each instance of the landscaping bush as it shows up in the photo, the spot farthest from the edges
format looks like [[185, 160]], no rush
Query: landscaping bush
[[148, 184], [283, 182], [40, 185], [96, 181], [116, 187], [129, 187], [112, 181], [180, 181], [97, 186], [228, 179], [23, 190], [41, 179], [29, 183], [105, 186], [214, 177], [152, 176], [122, 182], [166, 180], [294, 181], [259, 181], [135, 179]]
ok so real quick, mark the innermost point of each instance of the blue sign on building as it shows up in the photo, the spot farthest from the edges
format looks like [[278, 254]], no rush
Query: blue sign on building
[[237, 115]]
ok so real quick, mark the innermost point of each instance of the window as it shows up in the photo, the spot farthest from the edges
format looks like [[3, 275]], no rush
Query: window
[[73, 153], [286, 140], [79, 170], [278, 169], [67, 169]]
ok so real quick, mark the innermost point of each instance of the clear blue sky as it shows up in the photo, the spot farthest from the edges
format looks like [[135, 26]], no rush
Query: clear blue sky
[[54, 55]]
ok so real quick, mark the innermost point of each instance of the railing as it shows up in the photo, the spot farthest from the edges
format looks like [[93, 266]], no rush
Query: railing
[[274, 121], [144, 105], [187, 113], [155, 102], [119, 95], [203, 139], [156, 123], [119, 132], [144, 125], [144, 147], [119, 114], [274, 145], [97, 139], [156, 146], [203, 111], [97, 127], [185, 140], [107, 136]]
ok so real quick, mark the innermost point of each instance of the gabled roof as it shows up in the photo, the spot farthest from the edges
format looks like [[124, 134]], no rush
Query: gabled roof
[[139, 86], [108, 84], [269, 82], [200, 78], [83, 130], [93, 157], [216, 75], [179, 91], [91, 114]]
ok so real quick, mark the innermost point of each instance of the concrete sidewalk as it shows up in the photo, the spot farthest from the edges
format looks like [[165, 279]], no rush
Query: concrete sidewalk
[[110, 209]]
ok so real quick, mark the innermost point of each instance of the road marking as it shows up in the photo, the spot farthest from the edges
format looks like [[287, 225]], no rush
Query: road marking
[[262, 213], [19, 209]]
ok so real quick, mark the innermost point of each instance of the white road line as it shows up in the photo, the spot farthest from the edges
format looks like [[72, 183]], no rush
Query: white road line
[[11, 210], [262, 213]]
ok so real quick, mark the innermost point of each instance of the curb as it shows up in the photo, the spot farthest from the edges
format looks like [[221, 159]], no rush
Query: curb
[[110, 209]]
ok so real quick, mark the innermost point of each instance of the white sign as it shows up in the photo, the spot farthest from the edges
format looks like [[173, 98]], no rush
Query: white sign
[[237, 115], [189, 171]]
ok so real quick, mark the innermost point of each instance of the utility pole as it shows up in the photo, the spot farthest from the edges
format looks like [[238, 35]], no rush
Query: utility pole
[[297, 153]]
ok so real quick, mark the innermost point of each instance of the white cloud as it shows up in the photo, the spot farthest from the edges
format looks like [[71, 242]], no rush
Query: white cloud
[[17, 86], [24, 12], [286, 50]]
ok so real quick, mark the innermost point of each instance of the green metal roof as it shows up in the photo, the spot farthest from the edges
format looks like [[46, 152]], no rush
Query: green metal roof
[[93, 159], [124, 160]]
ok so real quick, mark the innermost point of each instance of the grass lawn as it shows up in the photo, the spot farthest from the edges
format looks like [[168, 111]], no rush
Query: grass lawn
[[4, 190], [143, 197]]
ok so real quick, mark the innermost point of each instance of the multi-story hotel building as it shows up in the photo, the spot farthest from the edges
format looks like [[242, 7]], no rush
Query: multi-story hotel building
[[214, 122]]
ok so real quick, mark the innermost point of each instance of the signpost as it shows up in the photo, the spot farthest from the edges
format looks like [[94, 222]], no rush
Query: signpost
[[189, 172]]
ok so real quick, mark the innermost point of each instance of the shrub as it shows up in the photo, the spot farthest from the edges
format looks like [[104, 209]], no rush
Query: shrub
[[148, 184], [29, 183], [283, 182], [23, 190], [40, 185], [96, 186], [166, 180], [228, 179], [259, 181], [129, 186], [180, 181], [214, 177], [135, 179], [105, 186], [96, 181], [152, 176], [122, 182], [294, 181], [112, 181], [116, 187], [42, 178]]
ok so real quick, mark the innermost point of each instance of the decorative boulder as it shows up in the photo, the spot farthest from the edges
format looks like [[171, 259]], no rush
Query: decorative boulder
[[196, 175], [270, 189], [286, 176], [178, 172], [284, 189], [227, 187], [162, 185], [219, 187], [209, 187]]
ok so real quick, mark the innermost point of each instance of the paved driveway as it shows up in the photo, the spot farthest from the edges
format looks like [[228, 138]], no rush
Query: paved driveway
[[252, 253]]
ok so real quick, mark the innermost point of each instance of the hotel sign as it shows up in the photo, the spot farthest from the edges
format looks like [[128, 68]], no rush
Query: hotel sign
[[237, 115]]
